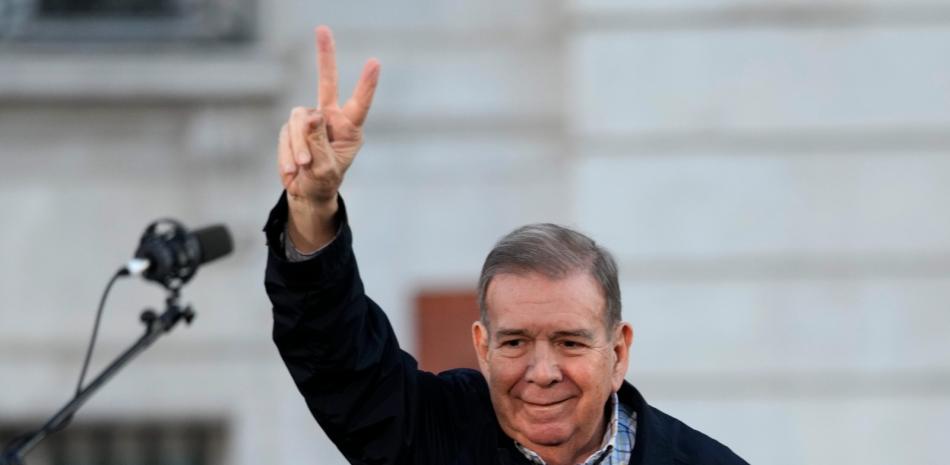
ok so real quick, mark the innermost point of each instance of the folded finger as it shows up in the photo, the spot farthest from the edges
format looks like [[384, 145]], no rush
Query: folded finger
[[299, 130], [285, 157], [318, 138]]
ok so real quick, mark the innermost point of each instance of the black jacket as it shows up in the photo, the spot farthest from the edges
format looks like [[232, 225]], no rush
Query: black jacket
[[373, 402]]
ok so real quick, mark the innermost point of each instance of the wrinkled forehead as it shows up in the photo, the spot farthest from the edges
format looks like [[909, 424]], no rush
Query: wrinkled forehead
[[534, 302]]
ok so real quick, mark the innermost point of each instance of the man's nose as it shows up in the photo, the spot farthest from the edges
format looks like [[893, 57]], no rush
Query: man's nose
[[543, 369]]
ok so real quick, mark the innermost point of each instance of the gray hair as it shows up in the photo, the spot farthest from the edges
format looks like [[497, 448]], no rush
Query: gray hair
[[555, 252]]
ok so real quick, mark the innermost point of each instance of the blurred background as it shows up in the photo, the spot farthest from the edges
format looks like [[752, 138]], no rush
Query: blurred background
[[771, 175]]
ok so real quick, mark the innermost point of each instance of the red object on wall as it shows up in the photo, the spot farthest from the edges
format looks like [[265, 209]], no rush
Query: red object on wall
[[444, 329]]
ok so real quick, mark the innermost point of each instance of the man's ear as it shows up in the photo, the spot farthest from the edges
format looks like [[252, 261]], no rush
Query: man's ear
[[623, 338], [480, 342]]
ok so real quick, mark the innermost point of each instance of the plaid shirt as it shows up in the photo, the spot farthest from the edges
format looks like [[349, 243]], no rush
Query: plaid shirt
[[618, 439]]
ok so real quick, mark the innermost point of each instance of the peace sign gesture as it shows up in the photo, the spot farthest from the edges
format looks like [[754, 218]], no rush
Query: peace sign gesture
[[317, 145]]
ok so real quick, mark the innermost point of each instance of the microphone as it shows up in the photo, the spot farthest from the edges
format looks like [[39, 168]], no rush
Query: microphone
[[170, 255]]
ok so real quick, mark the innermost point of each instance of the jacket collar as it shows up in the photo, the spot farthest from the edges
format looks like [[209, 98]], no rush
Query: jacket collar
[[653, 446]]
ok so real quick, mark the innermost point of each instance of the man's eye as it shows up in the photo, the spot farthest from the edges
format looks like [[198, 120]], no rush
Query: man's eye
[[571, 344], [512, 343]]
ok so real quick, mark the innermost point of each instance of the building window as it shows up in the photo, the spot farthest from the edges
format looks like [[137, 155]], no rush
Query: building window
[[114, 8], [120, 443], [127, 20], [444, 319]]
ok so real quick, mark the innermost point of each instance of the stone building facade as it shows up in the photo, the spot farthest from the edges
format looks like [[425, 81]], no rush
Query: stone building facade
[[770, 175]]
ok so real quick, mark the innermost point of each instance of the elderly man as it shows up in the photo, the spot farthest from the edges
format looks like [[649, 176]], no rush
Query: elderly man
[[550, 341]]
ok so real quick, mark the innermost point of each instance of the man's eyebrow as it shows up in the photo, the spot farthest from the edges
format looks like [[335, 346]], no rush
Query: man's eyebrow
[[505, 332], [577, 333]]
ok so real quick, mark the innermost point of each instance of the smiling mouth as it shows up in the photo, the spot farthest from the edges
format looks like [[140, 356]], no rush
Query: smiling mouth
[[544, 412], [545, 404]]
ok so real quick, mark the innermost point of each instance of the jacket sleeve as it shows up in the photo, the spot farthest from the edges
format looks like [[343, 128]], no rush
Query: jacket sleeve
[[340, 348]]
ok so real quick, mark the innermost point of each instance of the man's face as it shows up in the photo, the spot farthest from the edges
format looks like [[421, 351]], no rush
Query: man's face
[[549, 359]]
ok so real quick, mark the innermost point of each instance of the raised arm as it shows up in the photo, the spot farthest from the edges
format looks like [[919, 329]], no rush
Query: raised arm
[[318, 144], [366, 393]]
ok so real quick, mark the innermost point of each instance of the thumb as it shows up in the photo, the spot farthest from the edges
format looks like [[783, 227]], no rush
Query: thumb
[[318, 141]]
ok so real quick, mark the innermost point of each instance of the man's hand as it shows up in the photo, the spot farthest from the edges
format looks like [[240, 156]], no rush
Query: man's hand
[[317, 145]]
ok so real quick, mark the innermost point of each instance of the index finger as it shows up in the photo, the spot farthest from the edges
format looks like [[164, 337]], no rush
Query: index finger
[[326, 68]]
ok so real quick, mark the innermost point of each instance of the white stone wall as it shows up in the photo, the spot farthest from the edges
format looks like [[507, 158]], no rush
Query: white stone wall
[[769, 175]]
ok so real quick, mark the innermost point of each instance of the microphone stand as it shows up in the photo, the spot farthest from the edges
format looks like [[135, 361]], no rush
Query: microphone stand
[[155, 326]]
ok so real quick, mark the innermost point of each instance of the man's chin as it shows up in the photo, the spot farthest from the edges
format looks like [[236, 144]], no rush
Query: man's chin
[[546, 434]]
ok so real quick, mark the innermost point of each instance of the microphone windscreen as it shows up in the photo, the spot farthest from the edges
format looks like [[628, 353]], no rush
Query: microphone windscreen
[[215, 242]]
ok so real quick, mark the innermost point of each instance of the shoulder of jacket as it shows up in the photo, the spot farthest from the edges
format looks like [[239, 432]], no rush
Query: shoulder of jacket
[[690, 446]]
